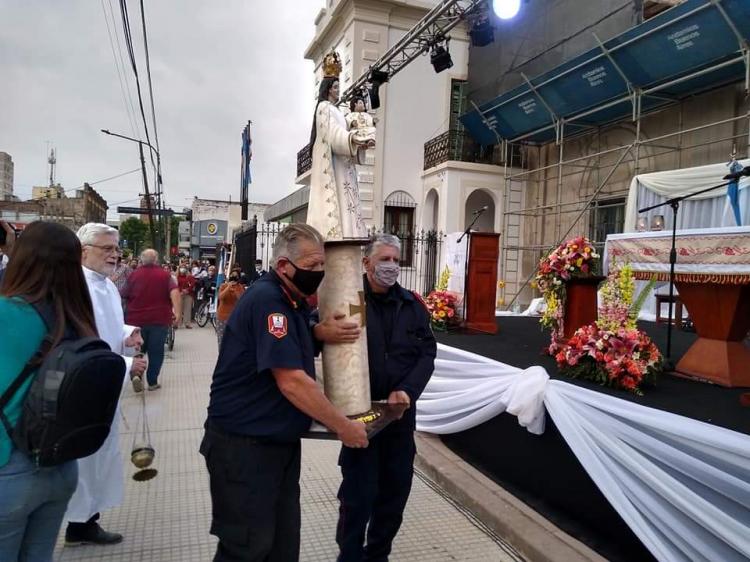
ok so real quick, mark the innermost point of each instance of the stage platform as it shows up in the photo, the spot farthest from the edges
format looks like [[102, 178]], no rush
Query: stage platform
[[542, 470]]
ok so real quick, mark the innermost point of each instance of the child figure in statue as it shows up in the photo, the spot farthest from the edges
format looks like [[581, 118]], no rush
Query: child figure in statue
[[361, 122], [335, 209]]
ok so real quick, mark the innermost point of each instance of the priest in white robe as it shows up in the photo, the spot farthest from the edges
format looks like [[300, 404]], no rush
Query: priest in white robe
[[100, 476], [335, 209]]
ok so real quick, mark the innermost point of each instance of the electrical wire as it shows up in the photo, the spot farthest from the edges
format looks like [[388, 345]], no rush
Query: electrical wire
[[103, 180], [134, 66], [158, 178], [150, 87], [129, 109]]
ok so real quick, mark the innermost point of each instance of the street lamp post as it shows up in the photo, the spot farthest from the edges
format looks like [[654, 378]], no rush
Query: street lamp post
[[149, 208]]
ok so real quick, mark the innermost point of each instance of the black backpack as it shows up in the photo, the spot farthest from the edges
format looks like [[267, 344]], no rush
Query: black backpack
[[70, 405]]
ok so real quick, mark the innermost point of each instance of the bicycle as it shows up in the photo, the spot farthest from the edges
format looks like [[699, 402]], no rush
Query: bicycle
[[203, 314]]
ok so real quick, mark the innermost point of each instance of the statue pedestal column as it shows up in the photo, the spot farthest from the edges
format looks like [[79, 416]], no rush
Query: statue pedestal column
[[346, 376]]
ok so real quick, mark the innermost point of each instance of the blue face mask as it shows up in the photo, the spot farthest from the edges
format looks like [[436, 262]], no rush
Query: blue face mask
[[386, 273]]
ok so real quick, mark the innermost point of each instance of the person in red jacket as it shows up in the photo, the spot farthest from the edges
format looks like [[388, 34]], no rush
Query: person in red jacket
[[186, 285], [152, 298]]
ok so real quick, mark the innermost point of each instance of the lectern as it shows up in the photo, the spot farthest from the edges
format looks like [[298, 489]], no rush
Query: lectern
[[481, 282]]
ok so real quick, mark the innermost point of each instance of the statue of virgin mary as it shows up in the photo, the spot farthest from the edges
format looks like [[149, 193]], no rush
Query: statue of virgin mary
[[335, 209]]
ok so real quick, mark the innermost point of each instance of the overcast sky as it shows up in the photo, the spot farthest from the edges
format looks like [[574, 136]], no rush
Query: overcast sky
[[214, 65]]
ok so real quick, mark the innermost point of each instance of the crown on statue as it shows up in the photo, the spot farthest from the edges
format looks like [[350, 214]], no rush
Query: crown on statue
[[331, 65]]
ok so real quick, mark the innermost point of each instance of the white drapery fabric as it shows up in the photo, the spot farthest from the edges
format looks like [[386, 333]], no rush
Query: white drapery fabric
[[467, 389], [681, 485], [710, 209]]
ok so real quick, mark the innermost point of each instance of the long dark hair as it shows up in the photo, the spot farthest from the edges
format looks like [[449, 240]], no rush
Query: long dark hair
[[325, 87], [46, 267]]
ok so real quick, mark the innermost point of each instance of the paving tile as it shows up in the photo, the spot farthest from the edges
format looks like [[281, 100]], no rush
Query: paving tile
[[167, 519]]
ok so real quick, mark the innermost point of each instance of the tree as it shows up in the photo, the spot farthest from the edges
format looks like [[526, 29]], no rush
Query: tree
[[134, 231]]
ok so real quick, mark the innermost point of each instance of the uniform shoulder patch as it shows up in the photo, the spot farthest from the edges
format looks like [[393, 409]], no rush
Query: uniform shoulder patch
[[277, 324]]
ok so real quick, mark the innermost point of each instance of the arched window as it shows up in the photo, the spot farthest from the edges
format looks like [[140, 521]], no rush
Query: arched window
[[398, 219]]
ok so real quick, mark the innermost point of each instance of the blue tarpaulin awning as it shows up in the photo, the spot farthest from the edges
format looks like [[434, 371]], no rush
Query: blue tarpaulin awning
[[689, 48]]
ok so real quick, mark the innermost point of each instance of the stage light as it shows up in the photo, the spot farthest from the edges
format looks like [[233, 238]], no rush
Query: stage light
[[506, 9], [377, 78], [440, 58], [482, 32]]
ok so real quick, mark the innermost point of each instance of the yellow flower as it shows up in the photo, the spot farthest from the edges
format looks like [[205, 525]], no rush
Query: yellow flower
[[501, 284], [441, 314]]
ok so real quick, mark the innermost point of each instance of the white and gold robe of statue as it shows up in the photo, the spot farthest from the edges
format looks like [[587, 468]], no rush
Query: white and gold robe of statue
[[101, 479], [335, 209]]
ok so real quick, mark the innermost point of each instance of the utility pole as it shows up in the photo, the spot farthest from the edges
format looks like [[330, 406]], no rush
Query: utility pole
[[149, 206], [148, 196]]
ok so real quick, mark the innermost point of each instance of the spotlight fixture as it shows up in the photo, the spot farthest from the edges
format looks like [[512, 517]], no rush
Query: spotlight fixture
[[440, 58], [482, 33], [506, 9], [377, 78]]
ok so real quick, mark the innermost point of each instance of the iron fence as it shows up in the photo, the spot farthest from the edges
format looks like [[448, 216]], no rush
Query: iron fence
[[420, 252], [458, 145]]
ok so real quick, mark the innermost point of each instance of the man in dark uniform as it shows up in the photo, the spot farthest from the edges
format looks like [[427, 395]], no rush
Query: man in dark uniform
[[401, 350], [263, 396]]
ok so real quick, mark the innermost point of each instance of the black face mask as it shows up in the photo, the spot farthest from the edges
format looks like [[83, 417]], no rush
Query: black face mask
[[306, 280]]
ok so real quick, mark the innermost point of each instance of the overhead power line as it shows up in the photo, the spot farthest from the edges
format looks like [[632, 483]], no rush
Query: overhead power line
[[129, 109], [103, 180], [148, 75], [134, 65]]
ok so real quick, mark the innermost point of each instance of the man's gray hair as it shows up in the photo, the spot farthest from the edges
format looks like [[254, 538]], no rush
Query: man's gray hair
[[382, 240], [89, 232], [149, 257], [287, 241]]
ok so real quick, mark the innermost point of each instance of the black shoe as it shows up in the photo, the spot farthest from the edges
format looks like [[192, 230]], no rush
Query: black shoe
[[93, 534]]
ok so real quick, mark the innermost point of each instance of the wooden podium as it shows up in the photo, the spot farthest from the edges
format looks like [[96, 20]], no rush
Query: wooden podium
[[481, 282]]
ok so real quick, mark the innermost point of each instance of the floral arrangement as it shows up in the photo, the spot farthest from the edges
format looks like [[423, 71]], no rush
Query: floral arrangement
[[442, 308], [441, 304], [575, 258], [612, 351], [623, 358]]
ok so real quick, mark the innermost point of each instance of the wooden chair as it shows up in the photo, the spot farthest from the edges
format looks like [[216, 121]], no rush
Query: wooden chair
[[677, 309]]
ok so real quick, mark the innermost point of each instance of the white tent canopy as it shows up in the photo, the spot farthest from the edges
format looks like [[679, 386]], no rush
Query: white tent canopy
[[707, 210]]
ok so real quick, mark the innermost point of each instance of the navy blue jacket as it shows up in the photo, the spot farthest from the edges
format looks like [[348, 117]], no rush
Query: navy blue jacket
[[400, 345]]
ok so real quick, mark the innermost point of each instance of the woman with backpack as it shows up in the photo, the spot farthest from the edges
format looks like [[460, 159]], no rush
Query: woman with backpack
[[45, 269]]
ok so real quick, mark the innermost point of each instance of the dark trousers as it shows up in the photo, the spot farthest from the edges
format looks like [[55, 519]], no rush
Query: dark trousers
[[154, 338], [254, 497], [375, 488]]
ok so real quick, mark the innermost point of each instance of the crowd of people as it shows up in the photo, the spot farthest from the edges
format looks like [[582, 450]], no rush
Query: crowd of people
[[263, 393]]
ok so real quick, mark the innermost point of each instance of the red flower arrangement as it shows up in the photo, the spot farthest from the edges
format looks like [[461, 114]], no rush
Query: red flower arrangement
[[442, 308], [612, 351], [575, 258], [625, 358]]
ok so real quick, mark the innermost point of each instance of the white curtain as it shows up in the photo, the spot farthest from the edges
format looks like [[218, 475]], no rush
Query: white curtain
[[681, 485], [467, 389], [707, 210]]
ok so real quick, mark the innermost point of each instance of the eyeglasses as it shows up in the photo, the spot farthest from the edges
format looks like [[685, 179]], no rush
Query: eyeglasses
[[110, 249]]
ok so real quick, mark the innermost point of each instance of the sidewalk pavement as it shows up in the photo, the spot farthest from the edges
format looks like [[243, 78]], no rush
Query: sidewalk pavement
[[168, 518]]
